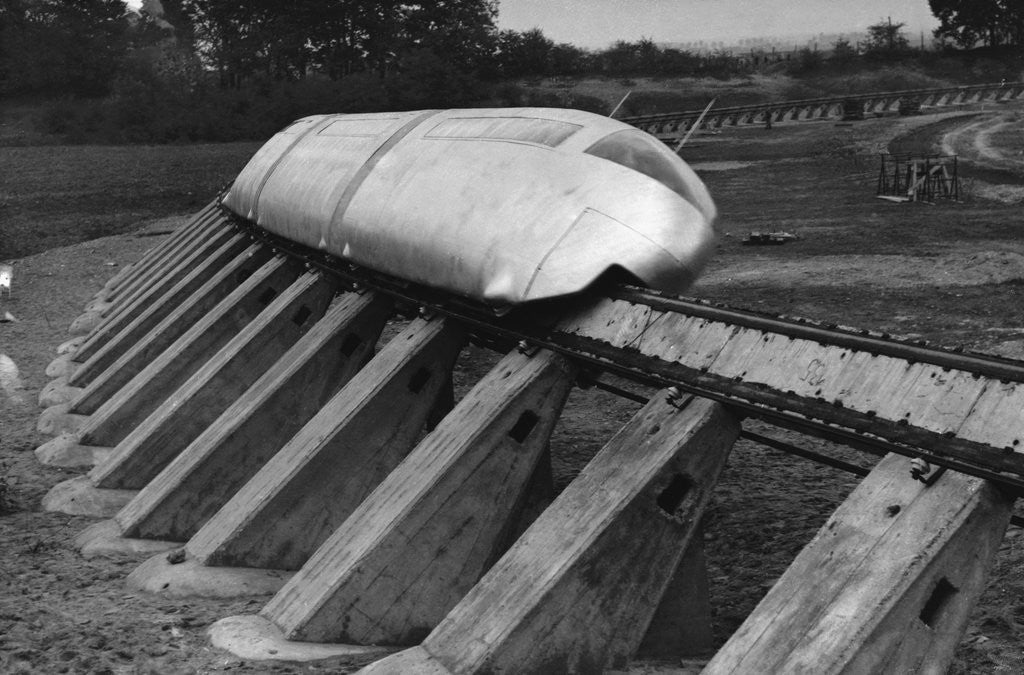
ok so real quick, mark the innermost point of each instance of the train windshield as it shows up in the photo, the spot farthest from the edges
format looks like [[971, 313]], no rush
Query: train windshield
[[644, 153]]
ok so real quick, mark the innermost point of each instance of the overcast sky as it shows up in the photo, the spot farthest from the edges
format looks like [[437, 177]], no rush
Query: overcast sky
[[598, 23]]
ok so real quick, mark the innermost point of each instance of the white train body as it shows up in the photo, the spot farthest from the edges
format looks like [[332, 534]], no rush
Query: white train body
[[501, 205]]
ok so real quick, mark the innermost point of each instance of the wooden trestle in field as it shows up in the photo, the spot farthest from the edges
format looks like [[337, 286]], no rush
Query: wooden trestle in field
[[242, 426]]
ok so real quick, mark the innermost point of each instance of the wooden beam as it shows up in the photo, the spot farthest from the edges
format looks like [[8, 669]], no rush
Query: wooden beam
[[198, 482], [100, 311], [135, 304], [414, 547], [578, 590], [156, 439], [171, 366], [152, 308], [257, 423], [887, 584], [155, 330], [127, 272], [681, 625], [306, 491], [124, 391], [896, 397], [209, 225]]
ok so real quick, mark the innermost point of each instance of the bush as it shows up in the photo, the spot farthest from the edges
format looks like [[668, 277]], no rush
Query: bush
[[510, 95]]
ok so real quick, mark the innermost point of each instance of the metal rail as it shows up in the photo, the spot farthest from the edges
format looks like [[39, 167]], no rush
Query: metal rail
[[537, 326]]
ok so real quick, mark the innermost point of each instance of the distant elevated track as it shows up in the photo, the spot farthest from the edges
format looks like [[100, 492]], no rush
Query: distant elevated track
[[672, 126]]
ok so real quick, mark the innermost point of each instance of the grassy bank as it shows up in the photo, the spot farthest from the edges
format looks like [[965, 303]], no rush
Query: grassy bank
[[55, 195]]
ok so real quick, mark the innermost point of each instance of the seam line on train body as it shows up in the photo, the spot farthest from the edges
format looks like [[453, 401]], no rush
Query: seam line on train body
[[364, 171], [255, 216]]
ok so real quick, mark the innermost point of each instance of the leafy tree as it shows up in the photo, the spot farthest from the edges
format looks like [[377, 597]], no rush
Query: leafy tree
[[843, 54], [808, 61], [968, 22], [243, 40], [526, 53], [620, 58], [459, 32], [567, 59], [886, 38], [62, 46], [679, 62], [648, 56]]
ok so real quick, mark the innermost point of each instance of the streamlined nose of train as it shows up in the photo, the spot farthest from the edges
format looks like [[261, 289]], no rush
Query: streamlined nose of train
[[665, 248]]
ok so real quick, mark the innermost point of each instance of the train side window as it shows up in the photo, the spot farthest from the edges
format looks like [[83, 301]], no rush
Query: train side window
[[535, 130], [298, 126]]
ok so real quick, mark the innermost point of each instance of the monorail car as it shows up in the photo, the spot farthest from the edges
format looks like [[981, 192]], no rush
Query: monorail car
[[501, 205]]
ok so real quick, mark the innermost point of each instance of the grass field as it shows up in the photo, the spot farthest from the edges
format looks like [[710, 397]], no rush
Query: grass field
[[54, 195]]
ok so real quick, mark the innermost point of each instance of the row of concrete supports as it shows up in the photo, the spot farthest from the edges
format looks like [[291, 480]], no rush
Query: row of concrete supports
[[246, 426], [669, 126]]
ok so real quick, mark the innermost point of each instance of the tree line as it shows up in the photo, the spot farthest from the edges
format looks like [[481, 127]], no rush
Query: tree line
[[228, 69], [993, 23], [82, 47]]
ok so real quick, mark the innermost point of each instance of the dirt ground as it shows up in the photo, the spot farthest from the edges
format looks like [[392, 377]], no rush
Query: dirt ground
[[950, 273]]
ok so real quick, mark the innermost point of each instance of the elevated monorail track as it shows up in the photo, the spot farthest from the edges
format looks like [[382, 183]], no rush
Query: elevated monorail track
[[671, 126], [960, 410], [244, 423], [246, 428]]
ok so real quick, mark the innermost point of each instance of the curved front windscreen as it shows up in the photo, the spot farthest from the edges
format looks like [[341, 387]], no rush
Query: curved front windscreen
[[644, 153]]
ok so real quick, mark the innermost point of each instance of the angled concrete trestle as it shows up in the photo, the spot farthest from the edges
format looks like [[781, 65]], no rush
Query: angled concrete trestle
[[192, 297], [142, 315], [579, 589], [234, 406], [198, 483]]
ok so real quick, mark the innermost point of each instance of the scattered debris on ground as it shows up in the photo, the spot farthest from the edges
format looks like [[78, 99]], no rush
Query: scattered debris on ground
[[768, 238]]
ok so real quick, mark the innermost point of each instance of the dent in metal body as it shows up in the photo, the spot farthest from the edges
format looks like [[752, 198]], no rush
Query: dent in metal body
[[500, 205]]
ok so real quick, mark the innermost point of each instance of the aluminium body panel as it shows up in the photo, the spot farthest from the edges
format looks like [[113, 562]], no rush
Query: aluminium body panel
[[501, 205]]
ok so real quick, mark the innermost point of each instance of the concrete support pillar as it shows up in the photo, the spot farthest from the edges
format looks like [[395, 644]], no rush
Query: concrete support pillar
[[428, 532], [98, 311], [308, 489], [139, 316], [681, 626], [887, 584], [116, 402], [153, 255], [578, 590], [178, 361], [155, 440], [192, 297], [194, 486], [209, 226], [126, 311]]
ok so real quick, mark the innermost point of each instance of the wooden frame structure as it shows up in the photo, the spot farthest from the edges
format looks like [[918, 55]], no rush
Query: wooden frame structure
[[925, 178]]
